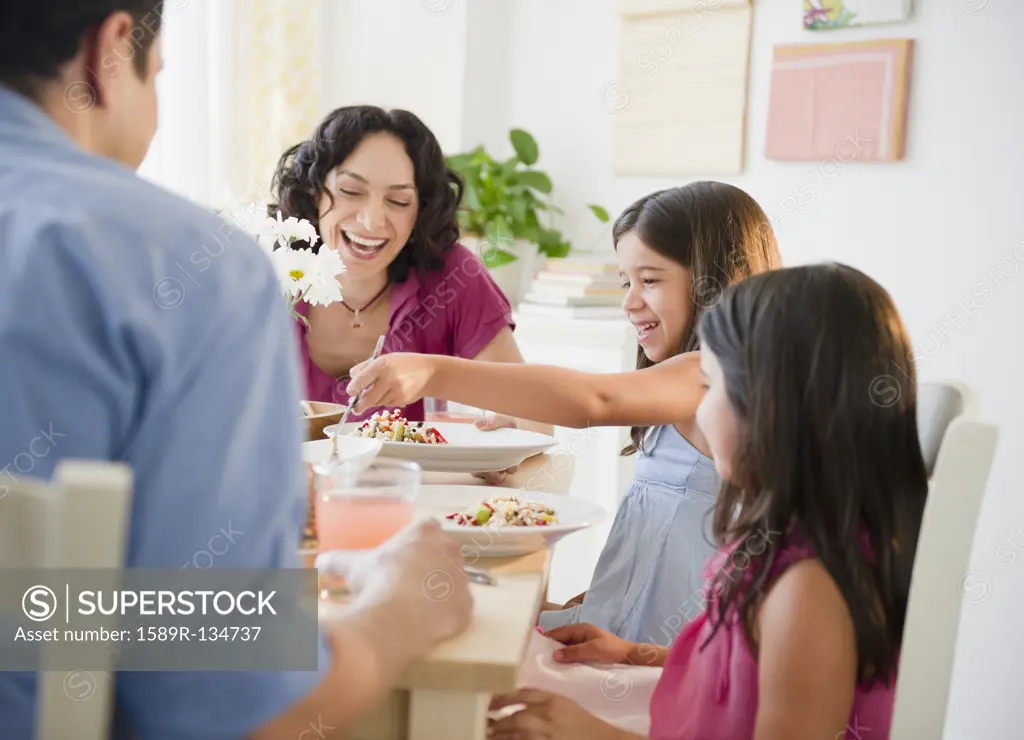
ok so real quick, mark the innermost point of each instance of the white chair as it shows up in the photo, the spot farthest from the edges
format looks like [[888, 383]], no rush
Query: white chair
[[958, 450], [79, 520]]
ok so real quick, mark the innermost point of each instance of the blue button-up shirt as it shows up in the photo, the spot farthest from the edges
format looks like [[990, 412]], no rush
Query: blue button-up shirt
[[136, 327]]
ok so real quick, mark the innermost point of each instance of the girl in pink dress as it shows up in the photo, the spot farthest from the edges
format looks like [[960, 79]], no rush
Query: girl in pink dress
[[810, 414]]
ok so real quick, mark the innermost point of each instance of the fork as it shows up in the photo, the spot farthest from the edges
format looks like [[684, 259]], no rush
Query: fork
[[335, 457], [331, 563], [478, 575]]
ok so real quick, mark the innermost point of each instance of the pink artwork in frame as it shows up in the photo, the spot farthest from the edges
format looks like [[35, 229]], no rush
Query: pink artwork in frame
[[846, 101]]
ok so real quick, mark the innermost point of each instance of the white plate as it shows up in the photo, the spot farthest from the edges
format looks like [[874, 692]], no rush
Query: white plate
[[497, 542], [351, 448], [476, 543], [469, 450]]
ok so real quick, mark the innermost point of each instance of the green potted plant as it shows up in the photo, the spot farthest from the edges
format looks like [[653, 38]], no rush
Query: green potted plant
[[501, 211]]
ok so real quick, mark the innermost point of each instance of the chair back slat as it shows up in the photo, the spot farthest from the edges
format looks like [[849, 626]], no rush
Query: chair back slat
[[79, 520], [964, 449]]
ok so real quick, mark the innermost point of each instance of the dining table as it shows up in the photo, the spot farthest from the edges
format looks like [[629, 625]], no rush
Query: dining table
[[444, 694]]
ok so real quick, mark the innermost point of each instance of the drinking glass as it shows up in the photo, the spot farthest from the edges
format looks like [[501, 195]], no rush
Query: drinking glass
[[434, 408], [357, 509], [438, 409]]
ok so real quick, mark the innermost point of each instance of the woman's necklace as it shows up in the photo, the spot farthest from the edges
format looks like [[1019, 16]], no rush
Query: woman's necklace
[[356, 321]]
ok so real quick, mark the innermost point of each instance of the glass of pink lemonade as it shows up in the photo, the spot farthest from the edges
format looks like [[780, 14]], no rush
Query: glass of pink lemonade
[[359, 509]]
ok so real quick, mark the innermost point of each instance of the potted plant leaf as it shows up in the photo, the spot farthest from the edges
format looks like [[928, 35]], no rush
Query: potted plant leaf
[[501, 211]]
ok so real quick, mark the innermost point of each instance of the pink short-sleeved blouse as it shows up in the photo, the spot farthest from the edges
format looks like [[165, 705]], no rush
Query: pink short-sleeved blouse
[[454, 311], [711, 694]]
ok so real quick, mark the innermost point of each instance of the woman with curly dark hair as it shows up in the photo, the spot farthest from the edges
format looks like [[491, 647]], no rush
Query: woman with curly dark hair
[[375, 184]]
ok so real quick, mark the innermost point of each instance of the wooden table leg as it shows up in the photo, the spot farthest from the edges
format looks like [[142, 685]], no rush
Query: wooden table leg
[[447, 715]]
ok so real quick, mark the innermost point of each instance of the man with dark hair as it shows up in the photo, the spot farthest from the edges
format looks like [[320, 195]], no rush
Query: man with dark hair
[[136, 327], [110, 106]]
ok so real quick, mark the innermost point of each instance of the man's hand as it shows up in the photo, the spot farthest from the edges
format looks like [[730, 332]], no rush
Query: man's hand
[[418, 576]]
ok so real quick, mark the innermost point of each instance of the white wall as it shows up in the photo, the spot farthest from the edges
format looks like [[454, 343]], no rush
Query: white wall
[[398, 54], [944, 225]]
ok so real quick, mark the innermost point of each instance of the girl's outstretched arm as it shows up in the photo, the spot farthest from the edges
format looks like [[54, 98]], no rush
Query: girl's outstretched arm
[[666, 393], [503, 348]]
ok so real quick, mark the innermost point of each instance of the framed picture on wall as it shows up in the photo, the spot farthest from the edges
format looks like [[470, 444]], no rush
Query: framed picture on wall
[[839, 102], [824, 15], [680, 102]]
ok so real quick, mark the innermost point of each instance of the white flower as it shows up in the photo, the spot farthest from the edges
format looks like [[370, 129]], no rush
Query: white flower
[[294, 229], [325, 288], [282, 232], [295, 269], [308, 276], [252, 219], [268, 231], [304, 276]]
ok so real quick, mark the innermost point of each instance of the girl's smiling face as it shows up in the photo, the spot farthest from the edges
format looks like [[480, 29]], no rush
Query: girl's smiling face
[[657, 300]]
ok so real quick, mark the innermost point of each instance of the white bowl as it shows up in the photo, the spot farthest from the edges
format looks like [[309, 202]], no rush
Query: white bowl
[[497, 542], [352, 449]]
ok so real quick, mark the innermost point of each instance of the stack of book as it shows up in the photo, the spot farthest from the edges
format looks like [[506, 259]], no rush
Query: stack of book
[[580, 286]]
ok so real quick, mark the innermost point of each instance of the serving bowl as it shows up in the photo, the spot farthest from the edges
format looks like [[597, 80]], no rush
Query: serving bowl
[[323, 416]]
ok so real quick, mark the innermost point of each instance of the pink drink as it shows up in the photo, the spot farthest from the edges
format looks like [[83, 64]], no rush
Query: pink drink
[[359, 509], [360, 522]]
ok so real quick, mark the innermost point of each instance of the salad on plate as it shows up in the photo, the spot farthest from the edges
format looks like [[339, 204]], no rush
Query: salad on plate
[[391, 426], [505, 511]]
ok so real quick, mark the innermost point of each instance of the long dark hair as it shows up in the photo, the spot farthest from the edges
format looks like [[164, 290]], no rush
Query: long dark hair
[[817, 368], [716, 231], [299, 180]]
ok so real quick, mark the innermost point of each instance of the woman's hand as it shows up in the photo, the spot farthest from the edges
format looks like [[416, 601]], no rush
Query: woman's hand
[[548, 717], [489, 423], [391, 381], [586, 643]]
